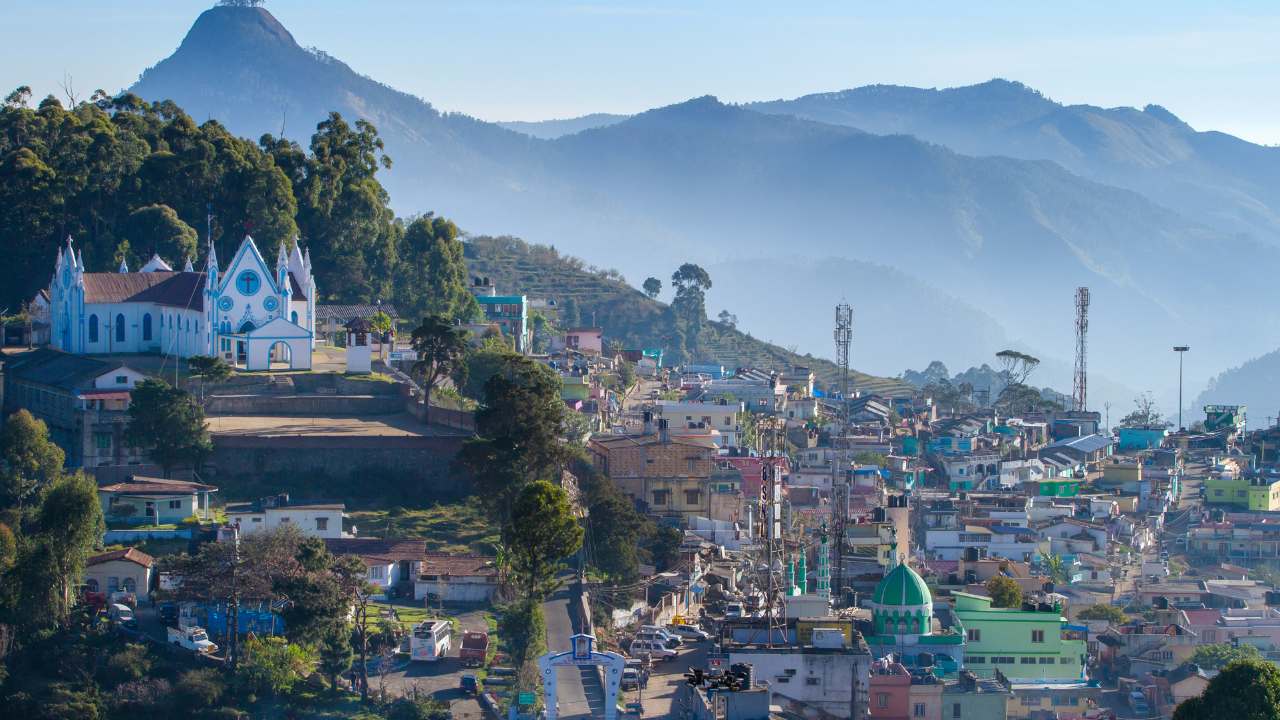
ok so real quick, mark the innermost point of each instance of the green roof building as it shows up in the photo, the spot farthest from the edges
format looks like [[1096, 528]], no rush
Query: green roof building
[[1024, 643]]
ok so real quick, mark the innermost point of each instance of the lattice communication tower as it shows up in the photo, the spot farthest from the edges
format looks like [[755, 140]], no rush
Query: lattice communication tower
[[1080, 394], [844, 335]]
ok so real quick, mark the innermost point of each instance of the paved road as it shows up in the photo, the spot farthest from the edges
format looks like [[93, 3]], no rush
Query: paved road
[[439, 679], [666, 685], [578, 690]]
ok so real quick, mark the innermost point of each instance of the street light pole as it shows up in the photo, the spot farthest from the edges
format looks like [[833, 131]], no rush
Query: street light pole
[[1180, 349]]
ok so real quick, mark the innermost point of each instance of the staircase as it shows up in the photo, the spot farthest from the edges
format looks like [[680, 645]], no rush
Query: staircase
[[281, 385]]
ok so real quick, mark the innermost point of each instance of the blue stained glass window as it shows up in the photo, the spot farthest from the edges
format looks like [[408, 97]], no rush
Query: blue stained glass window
[[248, 282]]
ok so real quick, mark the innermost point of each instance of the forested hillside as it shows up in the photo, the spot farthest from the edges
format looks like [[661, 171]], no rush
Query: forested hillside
[[627, 314]]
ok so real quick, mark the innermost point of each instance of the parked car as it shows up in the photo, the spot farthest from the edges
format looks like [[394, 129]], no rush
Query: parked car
[[121, 615], [630, 679], [691, 632], [469, 684], [656, 649], [664, 633], [733, 609], [1139, 703], [168, 613]]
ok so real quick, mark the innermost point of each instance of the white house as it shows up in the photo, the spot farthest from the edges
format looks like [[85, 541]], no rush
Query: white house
[[186, 312], [1006, 542], [1070, 536], [456, 578], [1013, 472], [154, 500], [321, 518], [724, 416], [127, 570]]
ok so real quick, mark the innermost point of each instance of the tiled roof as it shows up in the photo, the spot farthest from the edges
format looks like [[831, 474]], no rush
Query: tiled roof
[[1202, 617], [455, 565], [175, 289], [374, 547], [150, 486], [130, 554], [50, 366], [347, 312]]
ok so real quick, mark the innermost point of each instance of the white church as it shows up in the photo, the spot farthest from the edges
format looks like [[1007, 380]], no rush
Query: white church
[[249, 316]]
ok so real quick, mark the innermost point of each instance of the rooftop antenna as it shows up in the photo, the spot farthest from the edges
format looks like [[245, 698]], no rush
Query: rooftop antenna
[[1080, 394], [844, 334]]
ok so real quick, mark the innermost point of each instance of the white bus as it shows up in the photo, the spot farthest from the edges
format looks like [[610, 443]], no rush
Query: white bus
[[431, 640]]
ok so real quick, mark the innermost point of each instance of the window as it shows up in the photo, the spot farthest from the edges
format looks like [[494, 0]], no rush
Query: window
[[119, 328], [375, 573], [955, 710], [729, 421], [103, 441], [919, 710], [1037, 636], [1028, 661], [660, 497], [248, 282], [1166, 655], [1030, 700], [175, 504], [1006, 660], [1242, 493], [1046, 661], [691, 497], [122, 379], [975, 636], [93, 336], [1067, 661], [816, 681], [322, 523], [285, 520], [691, 464], [293, 317], [258, 520], [1210, 636], [882, 700], [146, 327], [974, 660]]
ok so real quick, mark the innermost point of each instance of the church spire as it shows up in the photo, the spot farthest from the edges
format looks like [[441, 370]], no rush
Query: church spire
[[187, 267], [124, 266]]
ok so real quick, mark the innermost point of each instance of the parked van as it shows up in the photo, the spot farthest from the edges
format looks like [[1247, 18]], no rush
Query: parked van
[[1139, 702], [120, 614], [657, 649], [673, 640]]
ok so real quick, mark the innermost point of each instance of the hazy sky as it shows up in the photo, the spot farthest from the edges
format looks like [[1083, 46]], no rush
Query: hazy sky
[[1216, 65]]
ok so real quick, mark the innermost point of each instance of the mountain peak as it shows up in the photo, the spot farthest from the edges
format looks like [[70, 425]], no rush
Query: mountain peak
[[224, 28]]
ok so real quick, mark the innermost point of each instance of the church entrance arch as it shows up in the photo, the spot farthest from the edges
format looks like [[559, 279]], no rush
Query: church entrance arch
[[280, 357], [246, 327]]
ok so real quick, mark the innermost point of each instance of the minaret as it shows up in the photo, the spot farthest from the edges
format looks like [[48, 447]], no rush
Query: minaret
[[824, 566], [791, 575], [802, 575]]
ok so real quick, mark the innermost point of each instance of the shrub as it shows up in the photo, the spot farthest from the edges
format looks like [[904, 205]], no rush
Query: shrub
[[127, 665], [199, 689], [190, 522]]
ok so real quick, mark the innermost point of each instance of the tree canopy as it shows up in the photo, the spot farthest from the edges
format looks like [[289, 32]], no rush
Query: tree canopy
[[1005, 592], [1242, 690], [30, 458], [169, 424], [541, 533]]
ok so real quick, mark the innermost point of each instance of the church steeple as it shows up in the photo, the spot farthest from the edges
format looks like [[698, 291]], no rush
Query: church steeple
[[124, 266], [187, 267]]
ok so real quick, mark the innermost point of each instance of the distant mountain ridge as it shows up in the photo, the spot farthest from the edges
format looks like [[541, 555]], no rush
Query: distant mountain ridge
[[552, 129], [713, 183], [1221, 181]]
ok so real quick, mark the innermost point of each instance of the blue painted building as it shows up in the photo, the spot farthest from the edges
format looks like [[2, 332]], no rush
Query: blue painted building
[[511, 313]]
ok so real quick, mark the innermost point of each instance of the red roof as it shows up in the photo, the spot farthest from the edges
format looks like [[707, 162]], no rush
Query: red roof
[[457, 565], [1202, 617], [176, 289], [130, 554]]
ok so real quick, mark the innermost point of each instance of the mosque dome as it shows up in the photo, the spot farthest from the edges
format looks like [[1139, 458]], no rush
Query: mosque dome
[[902, 586]]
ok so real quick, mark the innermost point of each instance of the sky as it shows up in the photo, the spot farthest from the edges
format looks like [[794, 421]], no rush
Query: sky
[[1214, 65]]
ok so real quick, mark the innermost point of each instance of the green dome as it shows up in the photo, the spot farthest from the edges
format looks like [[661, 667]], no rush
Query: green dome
[[902, 586]]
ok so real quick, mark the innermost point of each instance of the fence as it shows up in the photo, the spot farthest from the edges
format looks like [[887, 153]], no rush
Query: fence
[[118, 536]]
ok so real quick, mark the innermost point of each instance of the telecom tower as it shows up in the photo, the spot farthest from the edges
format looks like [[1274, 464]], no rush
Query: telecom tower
[[1080, 395], [767, 564], [844, 334]]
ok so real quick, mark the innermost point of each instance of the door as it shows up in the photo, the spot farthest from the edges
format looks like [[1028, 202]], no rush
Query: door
[[242, 356], [151, 509]]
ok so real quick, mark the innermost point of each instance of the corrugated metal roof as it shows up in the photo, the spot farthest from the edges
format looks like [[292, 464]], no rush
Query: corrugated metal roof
[[175, 289], [50, 366], [1087, 443], [348, 312]]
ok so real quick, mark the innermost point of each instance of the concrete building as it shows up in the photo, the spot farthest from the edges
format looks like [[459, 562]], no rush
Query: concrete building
[[578, 338], [154, 500], [972, 698], [830, 679], [321, 518], [129, 570], [668, 476], [511, 313], [724, 416], [1026, 644], [84, 402], [1252, 491]]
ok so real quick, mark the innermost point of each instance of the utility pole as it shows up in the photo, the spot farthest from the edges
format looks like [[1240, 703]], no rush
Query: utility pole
[[233, 619], [1180, 349]]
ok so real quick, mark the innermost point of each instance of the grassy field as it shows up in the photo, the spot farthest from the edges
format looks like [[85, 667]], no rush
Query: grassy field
[[460, 528]]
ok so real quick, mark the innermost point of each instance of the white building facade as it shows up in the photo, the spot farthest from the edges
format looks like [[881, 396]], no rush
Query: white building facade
[[159, 310]]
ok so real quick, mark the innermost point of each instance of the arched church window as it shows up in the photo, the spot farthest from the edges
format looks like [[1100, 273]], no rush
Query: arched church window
[[146, 327], [293, 317], [119, 328], [93, 328]]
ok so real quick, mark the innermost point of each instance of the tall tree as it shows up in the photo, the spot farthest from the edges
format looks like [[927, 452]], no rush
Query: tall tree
[[690, 304], [210, 369], [1016, 367], [71, 521], [158, 229], [1243, 690], [353, 578], [517, 431], [652, 286], [541, 533], [616, 532], [431, 278], [169, 424], [30, 459], [441, 348], [1005, 592]]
